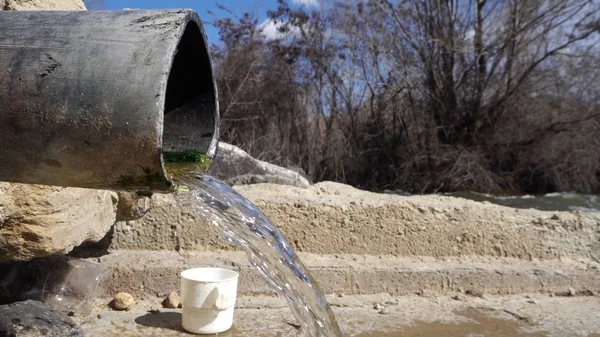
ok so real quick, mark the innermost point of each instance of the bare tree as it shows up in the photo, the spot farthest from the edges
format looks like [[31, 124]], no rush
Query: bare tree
[[423, 95]]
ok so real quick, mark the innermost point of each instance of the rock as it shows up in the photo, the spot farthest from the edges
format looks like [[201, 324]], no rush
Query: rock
[[37, 221], [44, 4], [236, 167], [36, 319], [122, 301], [572, 292], [384, 311], [155, 309], [172, 301], [378, 306]]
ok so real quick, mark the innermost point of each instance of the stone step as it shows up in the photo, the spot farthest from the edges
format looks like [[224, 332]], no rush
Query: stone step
[[330, 218], [156, 273]]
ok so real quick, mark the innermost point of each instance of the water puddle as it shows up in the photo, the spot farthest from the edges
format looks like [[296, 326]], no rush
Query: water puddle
[[268, 251], [481, 325]]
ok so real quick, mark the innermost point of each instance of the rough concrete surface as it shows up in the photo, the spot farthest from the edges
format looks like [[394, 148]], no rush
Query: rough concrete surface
[[330, 218], [334, 218], [167, 225], [409, 316], [144, 273]]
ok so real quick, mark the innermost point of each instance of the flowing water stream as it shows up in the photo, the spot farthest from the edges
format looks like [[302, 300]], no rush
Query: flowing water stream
[[244, 225]]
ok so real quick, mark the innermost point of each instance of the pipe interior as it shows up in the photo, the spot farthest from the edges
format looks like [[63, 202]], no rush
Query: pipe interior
[[189, 119]]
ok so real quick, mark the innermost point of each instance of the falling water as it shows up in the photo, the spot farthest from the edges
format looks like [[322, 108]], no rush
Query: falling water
[[244, 225]]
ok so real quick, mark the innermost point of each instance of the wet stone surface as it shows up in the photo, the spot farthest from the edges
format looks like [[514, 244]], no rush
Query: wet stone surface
[[35, 319], [480, 323]]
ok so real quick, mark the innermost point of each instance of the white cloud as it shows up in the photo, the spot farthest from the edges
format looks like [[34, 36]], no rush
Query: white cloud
[[307, 3], [270, 30]]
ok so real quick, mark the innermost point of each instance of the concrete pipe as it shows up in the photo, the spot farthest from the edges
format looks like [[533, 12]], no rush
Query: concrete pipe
[[93, 99]]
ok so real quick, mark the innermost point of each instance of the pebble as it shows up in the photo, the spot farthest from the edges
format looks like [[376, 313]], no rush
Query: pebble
[[122, 301], [172, 301], [572, 292], [384, 311], [378, 306]]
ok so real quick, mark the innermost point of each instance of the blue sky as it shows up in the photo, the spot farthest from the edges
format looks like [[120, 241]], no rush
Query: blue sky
[[259, 7]]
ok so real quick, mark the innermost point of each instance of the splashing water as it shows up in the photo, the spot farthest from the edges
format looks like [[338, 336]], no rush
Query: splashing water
[[244, 225]]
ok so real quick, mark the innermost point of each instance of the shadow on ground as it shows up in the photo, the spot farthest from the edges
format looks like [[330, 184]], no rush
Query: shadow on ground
[[172, 321], [162, 320]]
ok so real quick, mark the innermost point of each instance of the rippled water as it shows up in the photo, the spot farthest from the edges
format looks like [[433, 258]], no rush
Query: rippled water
[[565, 201], [244, 225]]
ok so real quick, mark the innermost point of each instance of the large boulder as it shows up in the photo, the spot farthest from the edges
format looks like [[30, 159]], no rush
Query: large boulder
[[37, 221], [236, 167]]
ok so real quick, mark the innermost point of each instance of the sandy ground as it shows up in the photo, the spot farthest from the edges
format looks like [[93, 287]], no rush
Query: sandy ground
[[451, 316]]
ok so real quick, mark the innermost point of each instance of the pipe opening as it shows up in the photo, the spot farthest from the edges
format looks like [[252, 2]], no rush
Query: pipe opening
[[190, 102]]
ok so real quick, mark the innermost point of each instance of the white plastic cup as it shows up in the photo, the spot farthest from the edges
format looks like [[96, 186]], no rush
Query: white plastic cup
[[208, 297]]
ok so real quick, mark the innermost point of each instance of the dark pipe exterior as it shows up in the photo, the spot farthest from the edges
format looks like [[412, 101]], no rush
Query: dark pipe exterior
[[83, 96]]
